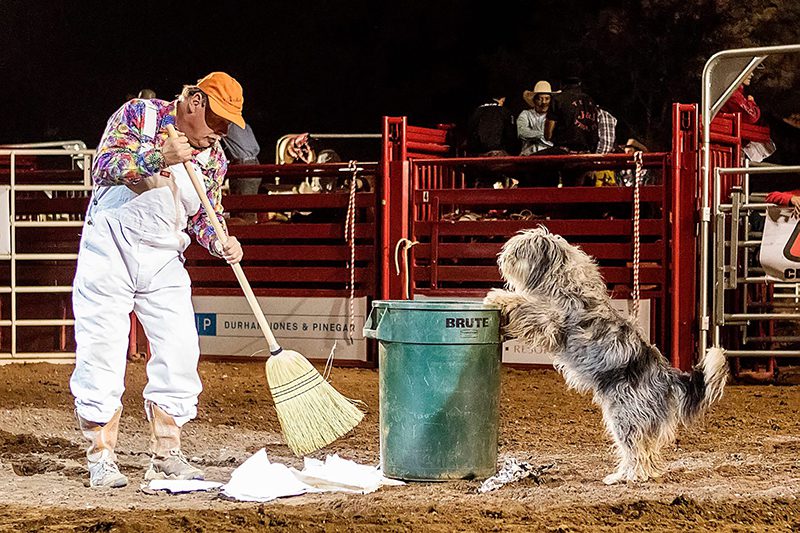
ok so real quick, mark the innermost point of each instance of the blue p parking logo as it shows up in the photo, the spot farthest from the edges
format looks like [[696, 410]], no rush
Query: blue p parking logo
[[206, 324]]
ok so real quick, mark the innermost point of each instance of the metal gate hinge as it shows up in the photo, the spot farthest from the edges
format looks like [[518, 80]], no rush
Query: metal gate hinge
[[705, 214]]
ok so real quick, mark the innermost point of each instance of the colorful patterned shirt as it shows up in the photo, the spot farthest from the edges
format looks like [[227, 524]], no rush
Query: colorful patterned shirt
[[126, 156]]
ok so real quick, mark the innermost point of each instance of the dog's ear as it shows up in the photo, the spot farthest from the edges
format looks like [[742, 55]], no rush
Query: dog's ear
[[550, 258], [582, 274]]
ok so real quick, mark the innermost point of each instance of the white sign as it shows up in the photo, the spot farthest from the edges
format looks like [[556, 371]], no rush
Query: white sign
[[311, 326], [780, 245], [5, 221]]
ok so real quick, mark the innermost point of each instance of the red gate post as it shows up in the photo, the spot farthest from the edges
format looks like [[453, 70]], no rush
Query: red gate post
[[685, 185], [395, 195]]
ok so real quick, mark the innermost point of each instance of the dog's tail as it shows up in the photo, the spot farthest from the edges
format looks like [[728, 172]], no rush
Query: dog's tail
[[701, 387]]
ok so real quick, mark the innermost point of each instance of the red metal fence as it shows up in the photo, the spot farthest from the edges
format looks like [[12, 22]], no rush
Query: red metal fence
[[459, 230], [419, 192], [728, 134]]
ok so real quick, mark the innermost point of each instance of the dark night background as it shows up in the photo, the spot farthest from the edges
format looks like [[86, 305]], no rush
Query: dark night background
[[326, 66]]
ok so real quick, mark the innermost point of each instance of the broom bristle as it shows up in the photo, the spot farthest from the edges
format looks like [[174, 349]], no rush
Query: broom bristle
[[311, 412]]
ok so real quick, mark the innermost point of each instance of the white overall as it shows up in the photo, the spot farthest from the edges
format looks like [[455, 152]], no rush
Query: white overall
[[131, 259]]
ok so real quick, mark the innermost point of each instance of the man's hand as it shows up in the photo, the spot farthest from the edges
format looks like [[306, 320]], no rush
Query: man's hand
[[795, 202], [162, 179], [299, 148], [176, 150], [231, 251]]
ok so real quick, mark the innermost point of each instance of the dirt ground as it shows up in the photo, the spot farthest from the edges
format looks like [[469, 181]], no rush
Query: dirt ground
[[738, 471]]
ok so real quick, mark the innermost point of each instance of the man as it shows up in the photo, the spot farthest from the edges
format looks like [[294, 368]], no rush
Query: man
[[572, 119], [130, 259], [491, 131], [606, 131], [530, 123], [242, 148]]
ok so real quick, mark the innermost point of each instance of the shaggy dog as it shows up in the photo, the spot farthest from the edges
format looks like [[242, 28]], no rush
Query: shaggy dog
[[557, 301]]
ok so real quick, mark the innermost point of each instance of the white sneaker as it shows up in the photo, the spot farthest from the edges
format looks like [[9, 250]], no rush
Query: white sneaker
[[172, 466], [104, 473]]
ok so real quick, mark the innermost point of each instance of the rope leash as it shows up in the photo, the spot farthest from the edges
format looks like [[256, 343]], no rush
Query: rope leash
[[350, 237], [637, 158]]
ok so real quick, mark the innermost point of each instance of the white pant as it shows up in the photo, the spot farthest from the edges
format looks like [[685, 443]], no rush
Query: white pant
[[130, 260]]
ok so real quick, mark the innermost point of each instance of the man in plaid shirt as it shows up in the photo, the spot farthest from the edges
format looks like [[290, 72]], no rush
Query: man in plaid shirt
[[606, 131]]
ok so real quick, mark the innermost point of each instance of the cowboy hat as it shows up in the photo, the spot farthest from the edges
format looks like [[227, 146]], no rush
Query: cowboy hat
[[541, 87], [636, 145]]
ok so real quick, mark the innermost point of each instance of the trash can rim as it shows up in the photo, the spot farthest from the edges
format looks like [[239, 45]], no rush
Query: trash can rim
[[434, 305]]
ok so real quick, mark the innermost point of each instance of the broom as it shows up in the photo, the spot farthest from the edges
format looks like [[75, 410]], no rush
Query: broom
[[311, 412]]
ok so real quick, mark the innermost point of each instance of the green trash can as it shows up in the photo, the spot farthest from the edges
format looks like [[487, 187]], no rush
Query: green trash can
[[439, 385]]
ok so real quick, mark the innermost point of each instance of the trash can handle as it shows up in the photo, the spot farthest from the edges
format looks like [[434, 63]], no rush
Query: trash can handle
[[371, 325]]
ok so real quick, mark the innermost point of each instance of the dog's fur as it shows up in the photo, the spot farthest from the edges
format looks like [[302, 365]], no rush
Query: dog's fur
[[557, 300]]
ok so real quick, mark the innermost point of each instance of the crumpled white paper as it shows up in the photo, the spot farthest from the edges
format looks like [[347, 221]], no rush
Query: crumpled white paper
[[342, 475], [258, 479]]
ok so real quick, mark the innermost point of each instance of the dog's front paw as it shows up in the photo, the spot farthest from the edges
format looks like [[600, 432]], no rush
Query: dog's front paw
[[613, 479], [501, 298]]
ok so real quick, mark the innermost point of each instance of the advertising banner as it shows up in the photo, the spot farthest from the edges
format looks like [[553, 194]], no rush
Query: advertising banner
[[780, 245], [311, 326]]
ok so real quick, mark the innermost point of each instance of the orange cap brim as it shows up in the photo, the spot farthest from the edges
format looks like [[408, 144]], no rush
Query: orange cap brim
[[221, 110]]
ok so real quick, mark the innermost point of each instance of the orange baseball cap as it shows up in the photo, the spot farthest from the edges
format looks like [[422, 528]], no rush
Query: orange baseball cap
[[224, 96]]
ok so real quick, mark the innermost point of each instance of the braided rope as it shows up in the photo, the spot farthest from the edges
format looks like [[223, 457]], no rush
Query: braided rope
[[637, 158], [350, 237]]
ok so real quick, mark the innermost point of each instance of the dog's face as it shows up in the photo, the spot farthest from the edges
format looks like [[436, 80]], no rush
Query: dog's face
[[530, 258], [537, 260]]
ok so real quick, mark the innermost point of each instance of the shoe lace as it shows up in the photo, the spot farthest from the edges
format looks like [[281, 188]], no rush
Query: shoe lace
[[107, 466], [178, 454]]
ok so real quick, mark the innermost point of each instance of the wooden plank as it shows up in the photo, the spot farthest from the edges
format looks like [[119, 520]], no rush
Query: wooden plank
[[541, 195], [492, 274], [295, 170], [420, 155], [292, 252], [420, 132], [427, 147], [454, 292], [291, 230], [294, 202], [305, 275], [477, 250], [507, 228], [307, 292]]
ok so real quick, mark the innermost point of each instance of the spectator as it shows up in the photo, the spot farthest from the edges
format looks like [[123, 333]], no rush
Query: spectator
[[530, 123], [790, 198], [328, 155], [572, 119], [740, 102], [606, 131], [241, 148], [491, 131], [743, 103], [146, 94], [296, 149], [627, 177]]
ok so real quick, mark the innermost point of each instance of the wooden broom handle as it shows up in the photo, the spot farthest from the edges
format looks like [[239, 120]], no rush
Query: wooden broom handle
[[274, 347]]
